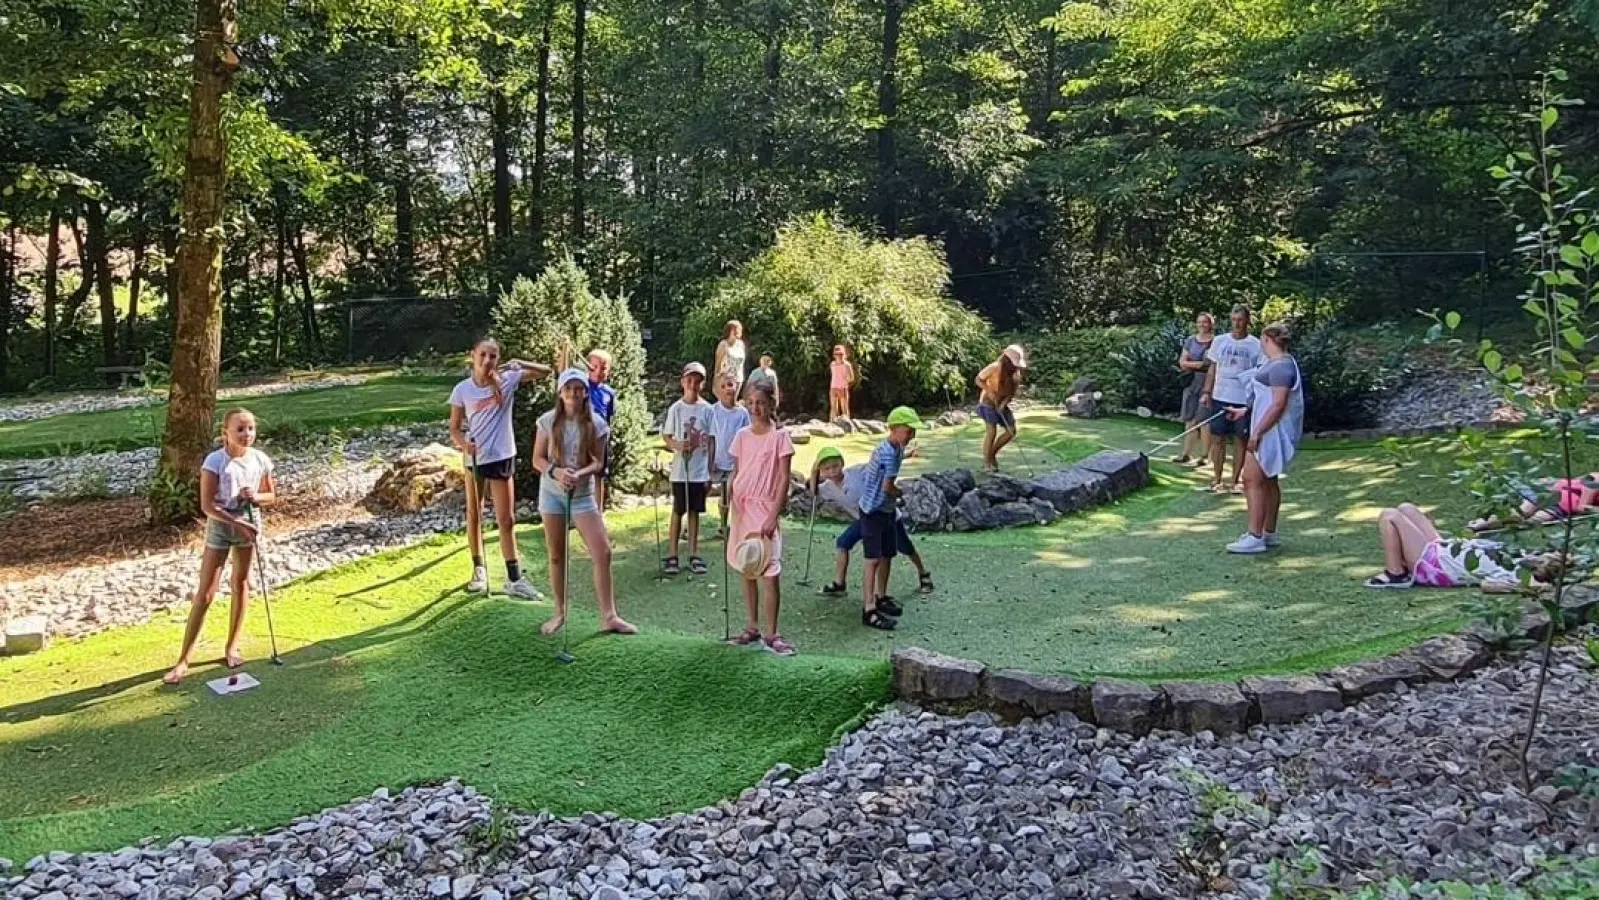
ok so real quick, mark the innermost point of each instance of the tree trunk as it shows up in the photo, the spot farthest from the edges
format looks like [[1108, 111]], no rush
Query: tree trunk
[[1039, 124], [404, 208], [579, 39], [169, 284], [541, 129], [500, 139], [87, 271], [197, 346], [8, 296], [771, 68], [313, 335], [887, 105], [52, 288], [279, 279], [97, 253], [130, 328]]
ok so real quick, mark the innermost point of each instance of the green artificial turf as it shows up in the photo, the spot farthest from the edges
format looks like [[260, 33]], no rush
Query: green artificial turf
[[396, 400], [396, 677]]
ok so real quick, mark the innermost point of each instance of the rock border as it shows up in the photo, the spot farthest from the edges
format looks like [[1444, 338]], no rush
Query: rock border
[[954, 685]]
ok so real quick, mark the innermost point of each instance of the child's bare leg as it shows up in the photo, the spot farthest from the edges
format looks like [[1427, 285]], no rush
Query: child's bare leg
[[774, 601], [592, 527], [503, 495], [989, 431], [841, 567], [555, 542], [1238, 459], [1004, 439], [211, 562], [752, 605], [674, 532], [693, 534], [916, 560], [1404, 539], [869, 585], [474, 518], [1218, 454], [884, 568], [844, 402], [242, 558]]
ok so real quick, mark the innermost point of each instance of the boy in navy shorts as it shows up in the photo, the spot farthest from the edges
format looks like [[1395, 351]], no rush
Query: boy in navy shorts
[[879, 498]]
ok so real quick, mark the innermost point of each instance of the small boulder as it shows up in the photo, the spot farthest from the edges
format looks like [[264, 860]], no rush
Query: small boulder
[[1291, 698], [1071, 489], [1017, 694], [1450, 656], [1127, 471], [1083, 384], [1377, 676], [418, 479], [799, 436], [924, 676], [1214, 706], [1128, 706], [824, 429], [1043, 511], [871, 426], [1081, 406], [924, 505], [953, 417], [970, 513], [1011, 515], [1001, 488], [26, 634], [954, 483]]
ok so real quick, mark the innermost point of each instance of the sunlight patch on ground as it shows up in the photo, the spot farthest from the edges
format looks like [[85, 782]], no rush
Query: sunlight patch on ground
[[1206, 596], [1062, 560], [1360, 512], [1149, 615]]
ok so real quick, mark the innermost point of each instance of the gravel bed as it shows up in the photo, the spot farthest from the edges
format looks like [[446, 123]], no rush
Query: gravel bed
[[94, 598], [321, 467], [100, 402], [918, 805], [1441, 397]]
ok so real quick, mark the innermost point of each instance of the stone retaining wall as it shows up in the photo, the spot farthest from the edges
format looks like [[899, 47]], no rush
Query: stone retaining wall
[[950, 684]]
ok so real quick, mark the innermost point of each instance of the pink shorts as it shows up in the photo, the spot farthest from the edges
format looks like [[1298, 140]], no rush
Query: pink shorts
[[1430, 571]]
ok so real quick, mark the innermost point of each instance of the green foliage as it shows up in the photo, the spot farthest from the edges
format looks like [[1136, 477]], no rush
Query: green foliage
[[559, 316], [1059, 358], [823, 284], [1574, 878], [172, 497], [1150, 376], [1341, 388]]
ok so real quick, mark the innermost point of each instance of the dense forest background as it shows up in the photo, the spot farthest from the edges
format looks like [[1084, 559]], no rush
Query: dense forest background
[[394, 165]]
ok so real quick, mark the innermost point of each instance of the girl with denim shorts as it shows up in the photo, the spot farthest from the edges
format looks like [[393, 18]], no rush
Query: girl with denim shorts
[[235, 482], [569, 449]]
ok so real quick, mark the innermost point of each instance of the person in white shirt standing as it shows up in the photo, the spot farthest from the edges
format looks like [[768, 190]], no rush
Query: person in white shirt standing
[[1233, 358]]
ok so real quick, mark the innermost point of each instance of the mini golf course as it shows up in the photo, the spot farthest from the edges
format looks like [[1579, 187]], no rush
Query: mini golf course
[[396, 676]]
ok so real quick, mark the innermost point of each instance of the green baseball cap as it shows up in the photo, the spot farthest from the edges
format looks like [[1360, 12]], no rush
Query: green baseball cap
[[904, 415], [828, 453]]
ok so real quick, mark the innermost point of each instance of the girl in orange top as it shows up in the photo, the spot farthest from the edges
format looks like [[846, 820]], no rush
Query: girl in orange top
[[840, 376]]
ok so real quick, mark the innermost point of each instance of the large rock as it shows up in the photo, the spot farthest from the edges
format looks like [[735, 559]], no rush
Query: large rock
[[823, 429], [1127, 471], [1291, 698], [1000, 488], [923, 676], [1579, 603], [26, 634], [1072, 489], [970, 513], [1016, 694], [870, 426], [1376, 676], [1043, 511], [1081, 406], [1083, 384], [954, 483], [1214, 706], [924, 505], [1450, 656], [419, 479], [1127, 706], [953, 417], [1012, 515], [799, 436]]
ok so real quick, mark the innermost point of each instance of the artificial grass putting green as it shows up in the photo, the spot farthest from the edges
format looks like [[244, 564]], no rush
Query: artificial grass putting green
[[397, 400], [396, 677]]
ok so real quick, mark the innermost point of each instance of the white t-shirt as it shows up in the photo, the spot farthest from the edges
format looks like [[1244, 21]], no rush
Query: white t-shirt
[[488, 415], [1235, 359], [733, 354], [684, 422], [235, 473]]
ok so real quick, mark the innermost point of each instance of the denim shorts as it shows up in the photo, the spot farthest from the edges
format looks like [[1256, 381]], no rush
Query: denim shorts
[[1000, 418], [222, 536], [553, 501]]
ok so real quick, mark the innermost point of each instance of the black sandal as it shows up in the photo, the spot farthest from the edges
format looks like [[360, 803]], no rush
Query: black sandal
[[696, 566], [669, 566], [1389, 580], [872, 618], [925, 583], [890, 607], [833, 589]]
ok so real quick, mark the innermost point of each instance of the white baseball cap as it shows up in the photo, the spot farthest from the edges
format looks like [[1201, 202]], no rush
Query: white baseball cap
[[694, 368], [571, 375]]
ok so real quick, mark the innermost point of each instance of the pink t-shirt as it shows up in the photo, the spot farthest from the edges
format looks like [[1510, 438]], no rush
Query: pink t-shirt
[[841, 374], [758, 458]]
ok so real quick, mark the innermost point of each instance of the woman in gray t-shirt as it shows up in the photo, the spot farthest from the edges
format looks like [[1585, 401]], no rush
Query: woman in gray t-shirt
[[1193, 364]]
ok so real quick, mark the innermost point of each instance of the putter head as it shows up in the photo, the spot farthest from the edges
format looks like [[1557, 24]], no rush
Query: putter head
[[565, 657], [277, 660]]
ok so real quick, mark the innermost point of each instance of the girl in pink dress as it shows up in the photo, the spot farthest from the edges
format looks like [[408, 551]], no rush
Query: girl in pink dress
[[840, 375], [763, 457]]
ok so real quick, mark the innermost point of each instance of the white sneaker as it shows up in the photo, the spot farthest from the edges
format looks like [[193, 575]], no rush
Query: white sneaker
[[1248, 543], [480, 581], [1271, 539], [521, 590]]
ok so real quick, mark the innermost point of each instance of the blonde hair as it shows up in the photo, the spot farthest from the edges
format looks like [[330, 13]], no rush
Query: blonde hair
[[494, 374], [727, 330], [585, 432], [601, 355], [1279, 334], [227, 419], [1207, 317]]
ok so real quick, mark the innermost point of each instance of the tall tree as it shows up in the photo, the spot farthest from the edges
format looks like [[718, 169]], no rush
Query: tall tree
[[197, 343], [579, 109], [98, 258], [500, 137], [52, 286], [887, 109]]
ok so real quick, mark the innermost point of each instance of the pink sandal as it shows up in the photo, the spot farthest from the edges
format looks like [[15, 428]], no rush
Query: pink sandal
[[777, 645], [746, 637]]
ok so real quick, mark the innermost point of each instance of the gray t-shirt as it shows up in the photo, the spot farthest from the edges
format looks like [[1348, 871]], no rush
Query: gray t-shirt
[[762, 375], [570, 456], [236, 472], [1196, 350], [1280, 372], [488, 415]]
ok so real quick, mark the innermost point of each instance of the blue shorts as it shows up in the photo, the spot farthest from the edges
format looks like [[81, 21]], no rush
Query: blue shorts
[[552, 501], [852, 536], [999, 418], [221, 536], [1223, 427]]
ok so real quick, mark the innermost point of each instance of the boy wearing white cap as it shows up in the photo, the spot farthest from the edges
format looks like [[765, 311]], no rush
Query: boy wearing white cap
[[687, 433], [997, 385]]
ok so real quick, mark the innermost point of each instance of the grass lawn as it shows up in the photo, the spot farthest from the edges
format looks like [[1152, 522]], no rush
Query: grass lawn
[[397, 677], [383, 401]]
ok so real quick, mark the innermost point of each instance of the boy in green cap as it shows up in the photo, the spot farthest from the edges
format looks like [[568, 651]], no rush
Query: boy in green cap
[[879, 494], [842, 487]]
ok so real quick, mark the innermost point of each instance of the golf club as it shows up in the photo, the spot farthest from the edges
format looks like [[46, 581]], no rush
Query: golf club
[[1167, 443], [949, 403], [565, 653], [727, 616], [1027, 463], [260, 571], [655, 507], [810, 533]]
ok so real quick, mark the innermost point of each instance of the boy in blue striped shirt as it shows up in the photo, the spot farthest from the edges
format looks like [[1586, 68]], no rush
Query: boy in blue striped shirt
[[879, 494]]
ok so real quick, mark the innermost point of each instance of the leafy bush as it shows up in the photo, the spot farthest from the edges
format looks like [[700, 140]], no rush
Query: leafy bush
[[536, 320], [822, 284], [1150, 376], [1059, 358], [1340, 388]]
